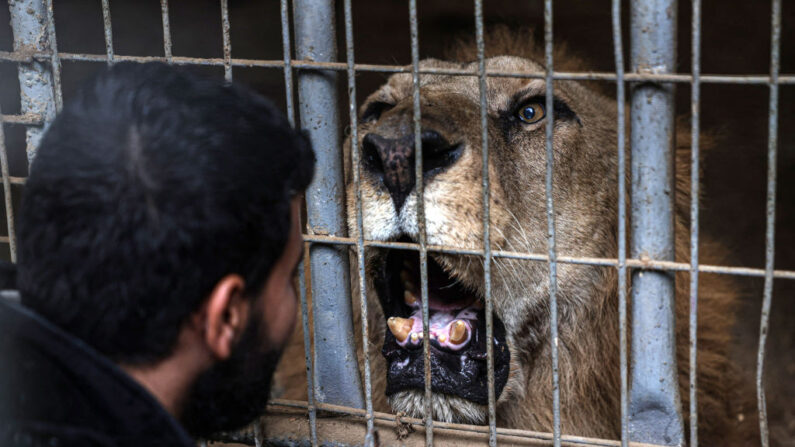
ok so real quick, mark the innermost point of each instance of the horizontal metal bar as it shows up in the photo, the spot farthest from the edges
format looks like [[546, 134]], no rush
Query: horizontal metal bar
[[351, 419], [27, 119], [753, 79], [643, 263]]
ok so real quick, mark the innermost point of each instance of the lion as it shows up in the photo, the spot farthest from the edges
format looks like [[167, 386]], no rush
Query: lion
[[585, 195]]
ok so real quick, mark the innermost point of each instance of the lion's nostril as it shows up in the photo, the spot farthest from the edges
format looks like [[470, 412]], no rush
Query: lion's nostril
[[392, 160], [437, 152], [371, 159]]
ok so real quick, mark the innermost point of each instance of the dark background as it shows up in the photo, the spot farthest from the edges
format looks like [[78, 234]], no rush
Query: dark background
[[735, 40]]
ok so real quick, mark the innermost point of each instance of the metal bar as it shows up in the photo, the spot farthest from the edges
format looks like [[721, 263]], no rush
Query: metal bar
[[27, 119], [606, 262], [423, 241], [37, 94], [770, 231], [484, 141], [225, 27], [654, 394], [290, 103], [618, 47], [12, 238], [355, 156], [108, 30], [752, 79], [694, 213], [336, 364], [55, 60], [290, 409], [550, 205], [166, 30]]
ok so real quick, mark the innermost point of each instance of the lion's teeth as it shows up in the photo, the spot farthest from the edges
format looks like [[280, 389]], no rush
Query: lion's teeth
[[442, 338], [400, 327], [414, 337], [458, 332], [409, 298]]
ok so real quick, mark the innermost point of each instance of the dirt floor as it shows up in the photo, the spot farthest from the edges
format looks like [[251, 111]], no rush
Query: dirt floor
[[736, 40]]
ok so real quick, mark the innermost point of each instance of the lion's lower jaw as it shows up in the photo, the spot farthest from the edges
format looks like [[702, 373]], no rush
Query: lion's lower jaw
[[446, 408]]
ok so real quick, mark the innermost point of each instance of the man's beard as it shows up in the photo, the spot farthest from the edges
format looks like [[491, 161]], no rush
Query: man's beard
[[231, 394]]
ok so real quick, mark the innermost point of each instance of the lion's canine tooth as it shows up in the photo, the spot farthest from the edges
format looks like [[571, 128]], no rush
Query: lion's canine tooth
[[458, 332], [400, 327], [409, 298], [442, 338], [414, 337]]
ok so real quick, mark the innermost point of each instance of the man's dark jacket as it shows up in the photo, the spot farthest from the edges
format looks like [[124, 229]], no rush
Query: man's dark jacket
[[56, 391]]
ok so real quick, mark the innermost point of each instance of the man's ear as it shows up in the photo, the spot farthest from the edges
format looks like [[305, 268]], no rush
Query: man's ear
[[225, 316]]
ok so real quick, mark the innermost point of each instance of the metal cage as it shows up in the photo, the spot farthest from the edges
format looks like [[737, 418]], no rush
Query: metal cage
[[334, 385]]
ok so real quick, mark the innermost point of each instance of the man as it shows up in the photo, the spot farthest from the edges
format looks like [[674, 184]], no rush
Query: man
[[158, 239]]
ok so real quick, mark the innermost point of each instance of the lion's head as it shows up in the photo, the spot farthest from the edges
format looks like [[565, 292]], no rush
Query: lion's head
[[585, 191]]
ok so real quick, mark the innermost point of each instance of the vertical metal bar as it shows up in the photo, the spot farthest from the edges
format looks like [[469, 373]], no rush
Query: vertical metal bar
[[553, 256], [288, 93], [423, 252], [55, 59], [694, 195], [772, 147], [227, 43], [12, 238], [36, 78], [368, 390], [654, 395], [618, 47], [484, 141], [108, 30], [336, 364], [166, 30]]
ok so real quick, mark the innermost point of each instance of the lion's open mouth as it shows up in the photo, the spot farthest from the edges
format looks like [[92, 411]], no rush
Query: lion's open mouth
[[457, 331]]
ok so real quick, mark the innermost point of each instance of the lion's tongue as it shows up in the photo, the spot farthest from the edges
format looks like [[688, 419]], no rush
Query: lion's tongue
[[448, 328]]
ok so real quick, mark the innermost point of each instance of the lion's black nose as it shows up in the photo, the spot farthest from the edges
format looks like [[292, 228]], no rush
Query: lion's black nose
[[392, 159]]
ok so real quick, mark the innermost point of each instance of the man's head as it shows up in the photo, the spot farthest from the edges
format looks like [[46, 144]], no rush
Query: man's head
[[159, 201]]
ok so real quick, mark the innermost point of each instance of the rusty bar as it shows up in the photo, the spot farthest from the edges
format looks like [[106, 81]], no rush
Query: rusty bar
[[770, 231], [654, 404], [355, 156], [12, 238], [55, 60], [694, 213], [108, 30], [336, 363], [553, 263], [421, 231], [484, 141], [166, 30], [27, 119], [290, 103], [37, 94], [750, 79], [225, 26], [618, 48], [449, 433], [606, 262]]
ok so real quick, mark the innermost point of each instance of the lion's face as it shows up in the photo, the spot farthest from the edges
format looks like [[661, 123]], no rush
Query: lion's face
[[584, 199]]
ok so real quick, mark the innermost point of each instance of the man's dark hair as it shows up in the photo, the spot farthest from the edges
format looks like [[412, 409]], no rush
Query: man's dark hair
[[149, 187]]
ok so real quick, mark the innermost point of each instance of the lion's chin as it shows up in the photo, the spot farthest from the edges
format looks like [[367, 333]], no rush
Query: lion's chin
[[446, 408]]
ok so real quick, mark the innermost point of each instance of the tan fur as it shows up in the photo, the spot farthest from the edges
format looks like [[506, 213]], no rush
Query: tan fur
[[585, 195]]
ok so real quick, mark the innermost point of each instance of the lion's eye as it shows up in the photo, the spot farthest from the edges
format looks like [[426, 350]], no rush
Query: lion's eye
[[531, 113]]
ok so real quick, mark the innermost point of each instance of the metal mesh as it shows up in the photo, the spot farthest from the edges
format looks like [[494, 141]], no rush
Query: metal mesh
[[39, 59]]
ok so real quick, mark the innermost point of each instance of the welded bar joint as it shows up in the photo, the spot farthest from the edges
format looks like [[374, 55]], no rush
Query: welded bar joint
[[654, 406], [36, 84], [336, 363]]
